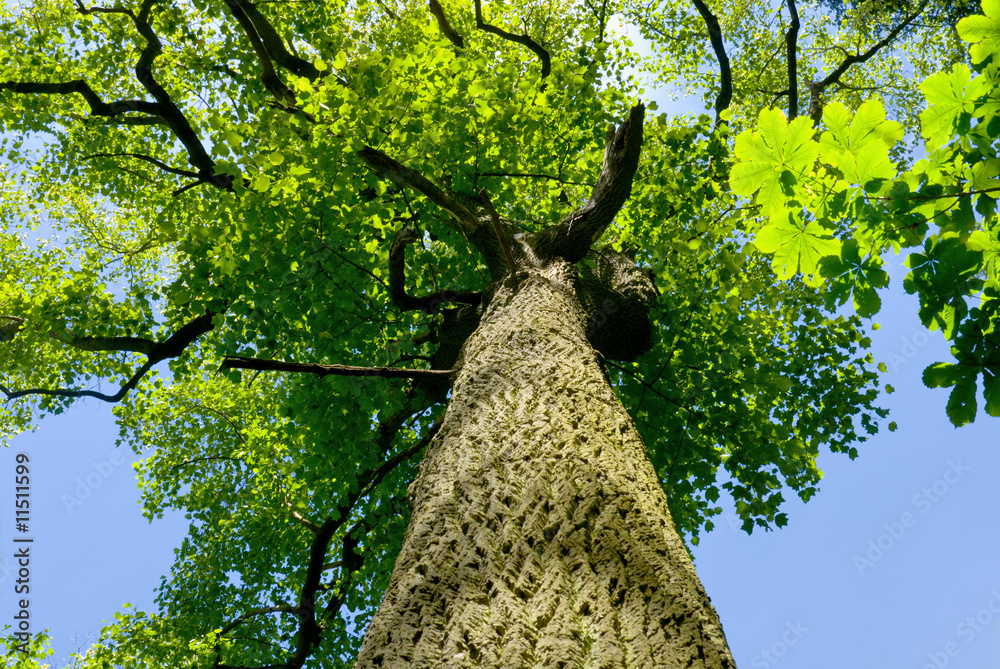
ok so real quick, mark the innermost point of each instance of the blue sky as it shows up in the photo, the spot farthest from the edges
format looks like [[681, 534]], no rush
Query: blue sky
[[894, 563]]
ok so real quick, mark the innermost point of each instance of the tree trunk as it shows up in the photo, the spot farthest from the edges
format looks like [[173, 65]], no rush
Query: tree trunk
[[540, 535]]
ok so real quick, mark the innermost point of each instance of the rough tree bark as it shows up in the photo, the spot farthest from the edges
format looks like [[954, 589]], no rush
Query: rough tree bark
[[540, 535]]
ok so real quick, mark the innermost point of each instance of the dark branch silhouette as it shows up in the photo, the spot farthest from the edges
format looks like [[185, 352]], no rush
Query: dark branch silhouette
[[155, 352], [273, 43], [268, 77], [573, 236], [397, 280], [149, 159], [817, 88], [387, 168], [791, 44], [162, 110], [311, 626], [9, 327], [725, 95], [97, 106], [523, 40], [445, 26]]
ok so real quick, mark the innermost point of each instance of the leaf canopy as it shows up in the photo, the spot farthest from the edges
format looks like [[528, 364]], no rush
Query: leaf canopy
[[187, 181]]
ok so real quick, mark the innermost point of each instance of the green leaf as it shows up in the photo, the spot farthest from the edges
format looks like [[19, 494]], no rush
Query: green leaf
[[961, 406], [991, 390], [944, 375], [948, 96], [765, 158], [797, 246], [261, 183], [982, 31], [989, 244], [848, 137]]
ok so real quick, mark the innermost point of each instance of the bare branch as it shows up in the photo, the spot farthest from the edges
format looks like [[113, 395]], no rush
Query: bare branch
[[442, 20], [272, 82], [397, 280], [573, 236], [97, 106], [273, 43], [163, 108], [170, 112], [96, 344], [155, 352], [149, 159], [278, 608], [260, 364], [791, 39], [816, 88], [117, 397], [10, 326], [373, 478], [523, 40], [186, 187], [725, 95], [387, 168]]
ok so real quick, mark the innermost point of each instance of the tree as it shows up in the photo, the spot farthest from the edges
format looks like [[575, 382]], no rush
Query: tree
[[500, 440]]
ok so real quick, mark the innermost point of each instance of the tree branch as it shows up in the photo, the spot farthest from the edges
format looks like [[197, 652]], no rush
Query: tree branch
[[97, 106], [260, 364], [149, 159], [498, 228], [96, 344], [117, 397], [273, 43], [279, 608], [523, 40], [791, 38], [311, 629], [530, 175], [155, 352], [272, 82], [387, 168], [725, 95], [10, 327], [816, 88], [397, 280], [573, 236], [170, 112], [375, 477], [442, 20], [299, 518], [164, 107]]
